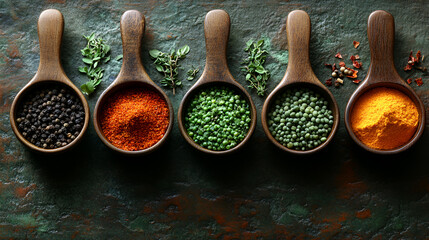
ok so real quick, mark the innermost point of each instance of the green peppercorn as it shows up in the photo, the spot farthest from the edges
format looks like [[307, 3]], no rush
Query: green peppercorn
[[308, 119], [221, 116]]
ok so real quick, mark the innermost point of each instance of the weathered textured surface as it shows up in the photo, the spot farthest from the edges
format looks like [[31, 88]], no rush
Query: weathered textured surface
[[178, 193]]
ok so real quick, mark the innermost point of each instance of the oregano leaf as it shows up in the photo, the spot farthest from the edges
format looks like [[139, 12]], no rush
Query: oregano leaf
[[95, 52], [168, 65], [256, 74]]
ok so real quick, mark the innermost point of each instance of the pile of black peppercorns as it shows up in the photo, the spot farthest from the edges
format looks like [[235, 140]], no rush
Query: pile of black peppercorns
[[51, 118]]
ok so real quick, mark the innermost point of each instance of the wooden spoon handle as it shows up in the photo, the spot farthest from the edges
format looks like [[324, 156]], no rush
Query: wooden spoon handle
[[381, 38], [216, 31], [132, 30], [50, 30], [298, 28]]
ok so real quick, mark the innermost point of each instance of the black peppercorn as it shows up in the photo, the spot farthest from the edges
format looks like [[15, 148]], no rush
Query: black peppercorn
[[44, 117]]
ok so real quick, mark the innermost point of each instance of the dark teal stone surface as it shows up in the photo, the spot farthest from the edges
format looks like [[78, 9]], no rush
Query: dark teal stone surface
[[179, 193]]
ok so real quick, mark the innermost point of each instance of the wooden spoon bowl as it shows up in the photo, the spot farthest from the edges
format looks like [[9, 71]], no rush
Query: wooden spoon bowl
[[50, 73], [299, 74], [132, 75], [216, 73], [382, 73]]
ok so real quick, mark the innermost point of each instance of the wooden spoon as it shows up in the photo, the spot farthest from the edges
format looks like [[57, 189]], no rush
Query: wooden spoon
[[50, 73], [299, 74], [216, 72], [132, 75], [382, 73]]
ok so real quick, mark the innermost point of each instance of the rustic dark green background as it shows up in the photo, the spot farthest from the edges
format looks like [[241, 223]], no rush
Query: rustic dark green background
[[179, 193]]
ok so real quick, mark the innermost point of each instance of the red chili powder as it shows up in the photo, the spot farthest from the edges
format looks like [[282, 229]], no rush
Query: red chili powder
[[134, 119]]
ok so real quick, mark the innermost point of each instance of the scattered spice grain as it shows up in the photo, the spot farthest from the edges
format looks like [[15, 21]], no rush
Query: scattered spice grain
[[134, 119]]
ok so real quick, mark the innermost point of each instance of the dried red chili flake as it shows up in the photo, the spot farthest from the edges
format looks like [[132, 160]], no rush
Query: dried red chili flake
[[408, 67], [354, 73], [354, 57], [333, 67], [328, 82], [357, 81], [419, 81], [342, 64], [338, 55], [409, 80], [413, 60], [418, 56], [357, 64], [356, 44]]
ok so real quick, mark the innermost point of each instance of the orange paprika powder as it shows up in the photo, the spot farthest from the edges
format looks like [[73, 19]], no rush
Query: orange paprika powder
[[134, 119]]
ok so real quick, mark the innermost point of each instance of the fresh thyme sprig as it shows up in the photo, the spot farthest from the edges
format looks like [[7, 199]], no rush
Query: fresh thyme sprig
[[256, 74], [94, 53], [192, 73], [168, 64]]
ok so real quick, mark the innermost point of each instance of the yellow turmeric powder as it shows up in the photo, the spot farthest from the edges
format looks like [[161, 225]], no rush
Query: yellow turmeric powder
[[384, 118]]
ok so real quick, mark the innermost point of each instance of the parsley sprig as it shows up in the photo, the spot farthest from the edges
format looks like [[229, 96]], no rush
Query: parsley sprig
[[256, 74], [94, 53], [168, 64]]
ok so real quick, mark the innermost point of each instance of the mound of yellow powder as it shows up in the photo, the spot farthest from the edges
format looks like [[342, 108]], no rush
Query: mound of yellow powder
[[384, 118]]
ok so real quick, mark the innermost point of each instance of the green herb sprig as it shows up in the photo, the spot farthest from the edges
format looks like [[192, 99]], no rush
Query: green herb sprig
[[192, 73], [256, 74], [94, 53], [168, 64]]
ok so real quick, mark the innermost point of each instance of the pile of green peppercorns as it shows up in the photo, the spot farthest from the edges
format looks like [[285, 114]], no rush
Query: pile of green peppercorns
[[217, 118], [51, 117], [300, 119]]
